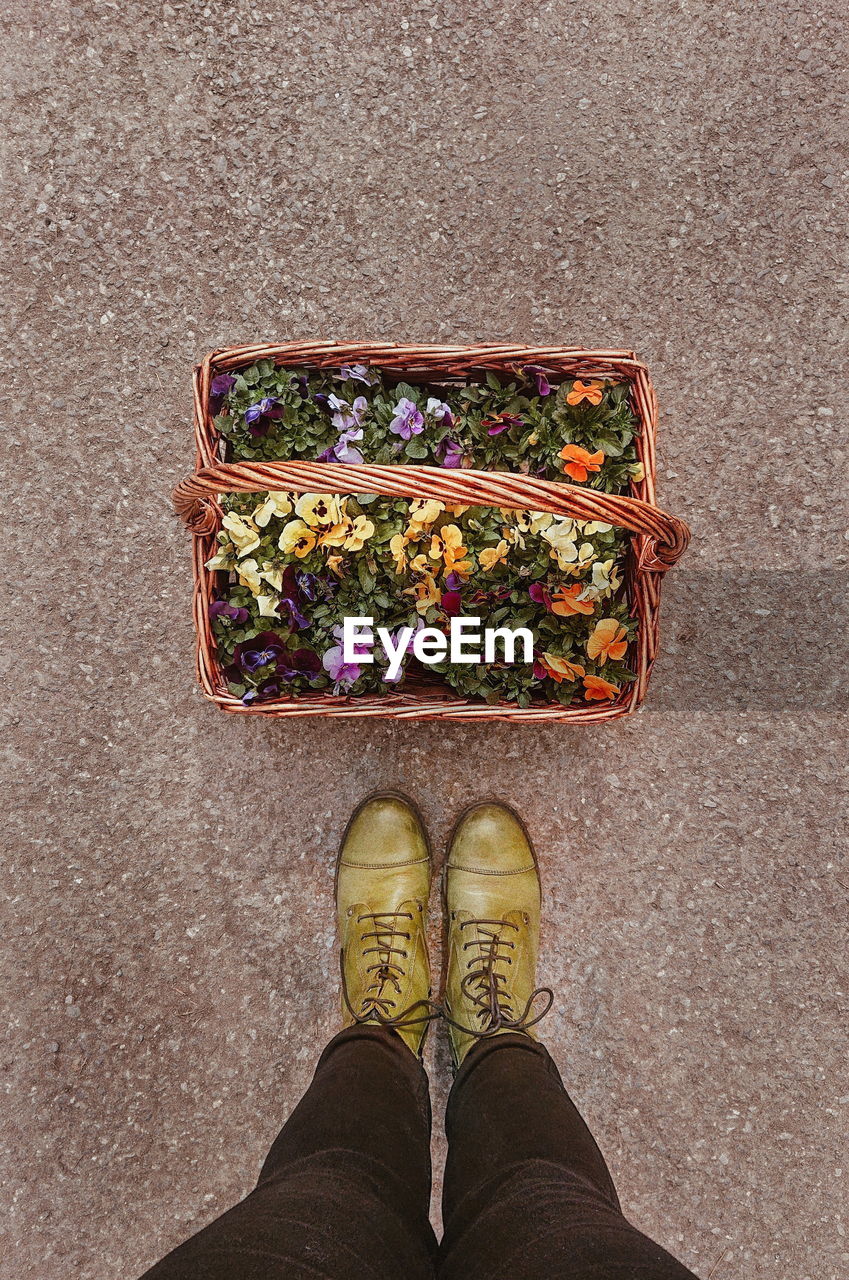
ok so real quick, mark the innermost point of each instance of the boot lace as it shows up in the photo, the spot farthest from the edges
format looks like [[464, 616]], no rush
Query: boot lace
[[380, 998], [485, 984]]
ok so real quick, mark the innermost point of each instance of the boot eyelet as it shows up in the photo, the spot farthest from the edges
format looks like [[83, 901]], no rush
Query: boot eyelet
[[526, 917], [350, 911]]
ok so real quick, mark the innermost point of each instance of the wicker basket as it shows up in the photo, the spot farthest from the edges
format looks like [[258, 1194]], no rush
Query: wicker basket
[[657, 543]]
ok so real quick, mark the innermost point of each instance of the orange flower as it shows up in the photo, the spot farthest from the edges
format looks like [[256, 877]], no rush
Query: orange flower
[[598, 690], [579, 463], [608, 640], [565, 602], [592, 391], [561, 669]]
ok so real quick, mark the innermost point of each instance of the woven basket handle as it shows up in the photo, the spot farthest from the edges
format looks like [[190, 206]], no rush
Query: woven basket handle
[[664, 538]]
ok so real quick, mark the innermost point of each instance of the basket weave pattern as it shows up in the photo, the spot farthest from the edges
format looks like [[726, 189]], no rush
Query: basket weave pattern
[[658, 539]]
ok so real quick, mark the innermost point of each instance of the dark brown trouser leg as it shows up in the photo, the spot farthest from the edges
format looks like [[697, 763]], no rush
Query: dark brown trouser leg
[[527, 1193], [344, 1193]]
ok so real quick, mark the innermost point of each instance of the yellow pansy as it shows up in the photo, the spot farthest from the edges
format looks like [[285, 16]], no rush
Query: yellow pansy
[[423, 511], [530, 521], [491, 556], [268, 606], [589, 527], [426, 593], [447, 545], [243, 532], [337, 534], [276, 503], [318, 509], [398, 550], [419, 563], [248, 571], [638, 472], [361, 531], [336, 565], [297, 537]]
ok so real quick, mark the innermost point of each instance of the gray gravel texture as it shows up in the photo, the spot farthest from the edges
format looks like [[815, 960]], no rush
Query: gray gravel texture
[[665, 176]]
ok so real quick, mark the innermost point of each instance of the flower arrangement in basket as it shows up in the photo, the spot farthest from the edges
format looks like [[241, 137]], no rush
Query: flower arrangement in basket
[[350, 494]]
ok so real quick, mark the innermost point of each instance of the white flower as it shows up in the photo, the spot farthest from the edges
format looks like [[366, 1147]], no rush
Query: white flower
[[276, 503], [267, 606]]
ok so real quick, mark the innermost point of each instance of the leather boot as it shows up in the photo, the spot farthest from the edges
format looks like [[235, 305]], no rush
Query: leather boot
[[383, 878], [492, 904]]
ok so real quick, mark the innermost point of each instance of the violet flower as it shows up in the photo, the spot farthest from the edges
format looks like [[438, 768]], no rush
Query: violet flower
[[501, 422], [440, 411], [347, 417], [307, 584], [453, 581], [221, 609], [221, 384], [290, 597], [258, 416], [452, 603], [266, 649], [538, 374], [299, 662], [357, 373], [408, 420], [343, 674], [449, 453]]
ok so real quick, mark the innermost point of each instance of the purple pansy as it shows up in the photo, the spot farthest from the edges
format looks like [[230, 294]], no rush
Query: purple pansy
[[357, 373], [440, 411], [501, 422], [539, 670], [347, 417], [538, 374], [343, 674], [307, 584], [258, 416], [449, 453], [452, 603], [408, 420], [222, 383], [264, 650], [299, 662], [221, 609], [290, 597], [453, 581]]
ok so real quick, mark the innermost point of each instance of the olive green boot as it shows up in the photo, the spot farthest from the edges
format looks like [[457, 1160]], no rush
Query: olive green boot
[[492, 905], [382, 885]]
